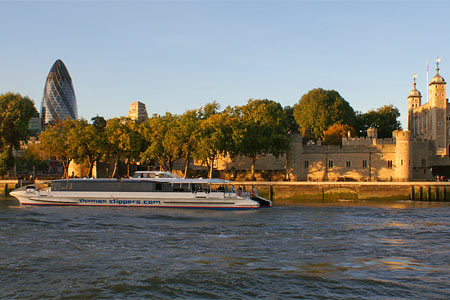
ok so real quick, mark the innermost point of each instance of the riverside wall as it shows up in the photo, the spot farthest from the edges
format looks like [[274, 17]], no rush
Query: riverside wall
[[298, 192], [7, 186]]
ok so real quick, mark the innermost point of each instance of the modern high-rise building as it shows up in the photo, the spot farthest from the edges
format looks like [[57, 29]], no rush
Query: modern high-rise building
[[58, 102], [35, 125], [137, 112]]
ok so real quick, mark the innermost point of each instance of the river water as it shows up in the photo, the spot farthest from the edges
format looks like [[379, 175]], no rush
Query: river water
[[344, 250]]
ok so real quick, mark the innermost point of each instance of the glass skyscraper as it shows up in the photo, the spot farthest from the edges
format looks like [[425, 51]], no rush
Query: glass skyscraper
[[58, 102]]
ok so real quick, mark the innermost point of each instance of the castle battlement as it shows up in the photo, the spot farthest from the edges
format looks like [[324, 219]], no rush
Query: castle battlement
[[356, 141], [366, 141], [402, 135]]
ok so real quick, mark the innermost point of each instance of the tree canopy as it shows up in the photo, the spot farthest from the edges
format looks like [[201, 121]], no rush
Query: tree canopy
[[384, 119], [318, 109], [160, 136], [262, 129], [16, 112], [187, 135], [334, 134], [214, 136], [57, 141]]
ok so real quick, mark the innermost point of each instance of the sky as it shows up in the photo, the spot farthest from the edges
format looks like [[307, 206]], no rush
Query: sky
[[180, 55]]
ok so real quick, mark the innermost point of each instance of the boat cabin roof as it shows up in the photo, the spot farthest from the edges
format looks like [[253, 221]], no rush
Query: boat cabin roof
[[154, 174], [162, 176]]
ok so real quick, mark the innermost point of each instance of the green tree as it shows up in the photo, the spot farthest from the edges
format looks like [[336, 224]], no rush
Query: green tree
[[263, 128], [187, 134], [124, 141], [215, 135], [289, 115], [208, 110], [99, 123], [133, 143], [334, 134], [160, 134], [89, 142], [6, 162], [55, 142], [384, 119], [318, 109], [31, 160], [16, 112]]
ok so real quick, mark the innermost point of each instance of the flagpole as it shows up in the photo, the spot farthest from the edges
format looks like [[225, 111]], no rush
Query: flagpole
[[428, 97]]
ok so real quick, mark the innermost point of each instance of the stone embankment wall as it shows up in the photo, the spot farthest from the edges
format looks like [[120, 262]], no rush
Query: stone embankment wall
[[7, 186], [298, 192]]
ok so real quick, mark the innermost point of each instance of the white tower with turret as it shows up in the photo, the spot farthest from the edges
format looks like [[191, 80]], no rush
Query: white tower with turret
[[438, 107], [414, 101]]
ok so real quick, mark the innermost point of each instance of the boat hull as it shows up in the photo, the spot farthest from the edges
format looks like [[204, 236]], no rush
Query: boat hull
[[167, 200]]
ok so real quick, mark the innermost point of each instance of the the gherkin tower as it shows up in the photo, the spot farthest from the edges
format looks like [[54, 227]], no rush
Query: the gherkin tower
[[58, 102]]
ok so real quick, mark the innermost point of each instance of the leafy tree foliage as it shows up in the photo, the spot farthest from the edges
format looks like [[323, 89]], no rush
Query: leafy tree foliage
[[187, 133], [99, 123], [334, 134], [16, 112], [318, 109], [89, 143], [124, 141], [57, 141], [214, 135], [31, 160], [385, 119], [262, 128], [208, 110], [289, 115], [115, 132], [160, 135], [6, 161]]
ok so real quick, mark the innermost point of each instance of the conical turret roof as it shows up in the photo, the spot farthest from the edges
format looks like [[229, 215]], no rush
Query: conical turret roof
[[414, 92]]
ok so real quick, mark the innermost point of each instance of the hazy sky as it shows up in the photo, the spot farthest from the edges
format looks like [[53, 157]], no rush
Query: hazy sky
[[179, 55]]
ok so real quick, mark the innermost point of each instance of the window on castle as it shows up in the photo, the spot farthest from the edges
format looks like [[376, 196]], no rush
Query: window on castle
[[330, 164], [306, 164], [364, 164], [401, 162], [348, 164], [389, 164]]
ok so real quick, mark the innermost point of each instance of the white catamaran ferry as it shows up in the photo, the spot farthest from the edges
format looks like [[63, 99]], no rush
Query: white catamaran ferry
[[145, 189]]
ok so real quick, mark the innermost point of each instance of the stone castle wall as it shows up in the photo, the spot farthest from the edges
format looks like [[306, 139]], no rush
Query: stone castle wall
[[398, 159]]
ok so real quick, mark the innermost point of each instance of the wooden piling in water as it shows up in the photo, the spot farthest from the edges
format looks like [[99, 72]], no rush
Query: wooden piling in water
[[445, 194], [271, 193]]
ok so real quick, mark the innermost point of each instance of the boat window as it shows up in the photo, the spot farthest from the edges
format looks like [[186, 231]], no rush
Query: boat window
[[90, 185]]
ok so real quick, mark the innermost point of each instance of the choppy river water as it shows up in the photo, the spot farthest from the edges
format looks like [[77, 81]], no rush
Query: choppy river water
[[349, 250]]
